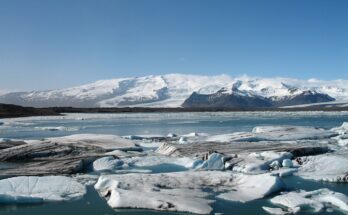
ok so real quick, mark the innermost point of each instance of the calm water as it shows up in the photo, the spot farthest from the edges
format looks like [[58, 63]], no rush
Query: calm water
[[161, 124]]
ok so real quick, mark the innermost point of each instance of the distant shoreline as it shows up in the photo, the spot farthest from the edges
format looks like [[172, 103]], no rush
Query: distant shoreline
[[13, 111]]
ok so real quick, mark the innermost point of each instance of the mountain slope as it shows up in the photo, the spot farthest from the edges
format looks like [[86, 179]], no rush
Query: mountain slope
[[223, 98], [242, 100], [173, 89], [167, 90]]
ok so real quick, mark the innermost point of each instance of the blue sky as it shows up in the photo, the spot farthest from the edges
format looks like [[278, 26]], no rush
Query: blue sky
[[47, 44]]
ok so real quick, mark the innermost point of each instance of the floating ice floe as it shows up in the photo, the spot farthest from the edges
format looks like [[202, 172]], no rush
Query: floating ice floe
[[191, 137], [284, 172], [251, 187], [183, 191], [172, 135], [312, 201], [287, 163], [183, 140], [107, 164], [277, 211], [326, 167], [215, 161], [275, 133], [342, 138], [87, 179], [107, 142], [34, 189], [9, 140], [343, 129], [260, 162], [195, 134], [237, 136], [58, 128], [291, 133], [158, 160], [149, 145]]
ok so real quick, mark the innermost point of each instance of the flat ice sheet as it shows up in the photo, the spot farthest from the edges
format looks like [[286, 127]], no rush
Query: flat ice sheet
[[34, 189], [183, 191]]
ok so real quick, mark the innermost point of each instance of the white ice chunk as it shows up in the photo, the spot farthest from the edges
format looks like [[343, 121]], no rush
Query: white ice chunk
[[107, 142], [183, 140], [342, 138], [107, 164], [86, 179], [58, 128], [275, 133], [313, 201], [250, 187], [284, 172], [215, 162], [287, 163], [260, 162], [195, 134], [237, 136], [183, 191], [171, 135], [326, 167], [151, 161], [275, 211], [343, 129], [291, 133], [275, 164], [33, 189]]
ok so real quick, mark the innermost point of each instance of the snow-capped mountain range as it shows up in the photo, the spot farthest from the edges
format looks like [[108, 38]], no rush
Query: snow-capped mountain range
[[173, 89]]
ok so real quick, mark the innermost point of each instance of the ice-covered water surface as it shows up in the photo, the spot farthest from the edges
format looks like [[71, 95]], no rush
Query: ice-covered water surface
[[162, 123], [248, 176]]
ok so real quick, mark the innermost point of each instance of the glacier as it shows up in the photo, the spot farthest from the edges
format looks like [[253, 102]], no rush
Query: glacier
[[171, 90]]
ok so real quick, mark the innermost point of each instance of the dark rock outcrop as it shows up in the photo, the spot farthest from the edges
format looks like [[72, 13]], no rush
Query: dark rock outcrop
[[306, 97], [225, 100], [240, 99]]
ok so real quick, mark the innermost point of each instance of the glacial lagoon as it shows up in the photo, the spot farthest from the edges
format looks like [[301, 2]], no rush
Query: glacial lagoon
[[199, 127]]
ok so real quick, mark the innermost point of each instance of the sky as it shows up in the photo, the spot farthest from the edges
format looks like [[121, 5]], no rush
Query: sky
[[50, 44]]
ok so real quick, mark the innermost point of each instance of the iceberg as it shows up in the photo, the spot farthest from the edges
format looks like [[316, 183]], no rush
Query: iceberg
[[157, 160], [251, 187], [33, 189], [215, 161], [326, 167], [287, 163], [311, 201], [107, 164], [291, 133], [284, 172], [342, 138], [104, 141], [260, 162], [183, 140], [183, 191], [275, 133], [275, 211]]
